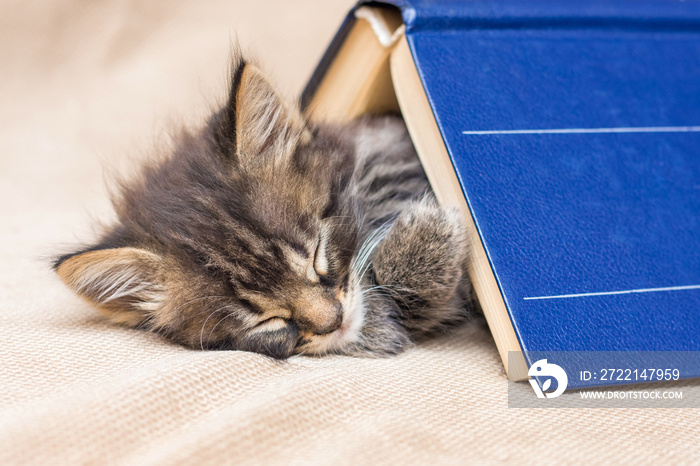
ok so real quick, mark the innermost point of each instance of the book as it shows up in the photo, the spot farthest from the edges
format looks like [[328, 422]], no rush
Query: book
[[568, 136]]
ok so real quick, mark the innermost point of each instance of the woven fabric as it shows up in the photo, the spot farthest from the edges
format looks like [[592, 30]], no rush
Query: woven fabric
[[85, 85]]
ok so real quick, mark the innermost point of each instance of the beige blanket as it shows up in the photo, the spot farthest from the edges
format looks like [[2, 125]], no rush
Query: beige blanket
[[86, 85]]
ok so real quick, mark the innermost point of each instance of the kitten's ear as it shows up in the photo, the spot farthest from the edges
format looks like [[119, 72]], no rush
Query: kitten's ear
[[121, 282], [257, 123]]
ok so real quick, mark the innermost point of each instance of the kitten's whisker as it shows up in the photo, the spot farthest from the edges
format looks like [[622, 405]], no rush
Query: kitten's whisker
[[382, 232], [201, 333], [360, 264], [374, 290], [394, 292], [217, 324], [376, 287]]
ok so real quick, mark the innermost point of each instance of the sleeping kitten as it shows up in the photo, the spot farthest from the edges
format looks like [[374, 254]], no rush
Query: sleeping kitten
[[266, 232]]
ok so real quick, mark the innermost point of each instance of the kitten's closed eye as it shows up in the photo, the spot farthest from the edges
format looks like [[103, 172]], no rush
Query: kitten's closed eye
[[274, 337], [320, 257], [271, 325]]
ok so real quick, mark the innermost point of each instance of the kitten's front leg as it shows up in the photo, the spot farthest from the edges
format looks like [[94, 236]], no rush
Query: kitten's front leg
[[422, 264], [381, 334]]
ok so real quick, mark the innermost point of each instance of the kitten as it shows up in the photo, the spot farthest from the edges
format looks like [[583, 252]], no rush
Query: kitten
[[269, 233]]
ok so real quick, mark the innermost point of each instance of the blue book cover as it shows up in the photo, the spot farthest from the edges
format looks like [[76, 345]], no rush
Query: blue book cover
[[574, 132]]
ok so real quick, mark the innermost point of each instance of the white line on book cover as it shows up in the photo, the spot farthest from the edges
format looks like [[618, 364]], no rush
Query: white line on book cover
[[641, 129], [609, 293]]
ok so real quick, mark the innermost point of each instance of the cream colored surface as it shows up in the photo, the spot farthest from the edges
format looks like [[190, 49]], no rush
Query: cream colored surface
[[89, 84]]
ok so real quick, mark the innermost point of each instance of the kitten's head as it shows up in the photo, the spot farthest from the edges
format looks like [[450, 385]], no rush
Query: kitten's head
[[243, 238]]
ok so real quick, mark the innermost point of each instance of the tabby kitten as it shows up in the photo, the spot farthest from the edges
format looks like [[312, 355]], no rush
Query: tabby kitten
[[269, 233]]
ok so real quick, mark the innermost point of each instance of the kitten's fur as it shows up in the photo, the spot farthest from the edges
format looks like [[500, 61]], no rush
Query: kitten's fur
[[269, 233]]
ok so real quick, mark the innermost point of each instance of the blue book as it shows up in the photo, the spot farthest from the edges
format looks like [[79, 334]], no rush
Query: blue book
[[568, 135]]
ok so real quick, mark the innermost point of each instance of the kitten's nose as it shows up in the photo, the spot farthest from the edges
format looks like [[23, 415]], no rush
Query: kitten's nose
[[316, 312], [331, 326]]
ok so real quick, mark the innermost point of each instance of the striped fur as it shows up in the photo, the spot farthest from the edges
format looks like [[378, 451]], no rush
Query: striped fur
[[266, 232]]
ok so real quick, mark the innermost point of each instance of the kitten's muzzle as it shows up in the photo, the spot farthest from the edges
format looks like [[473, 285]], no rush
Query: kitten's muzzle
[[321, 318], [316, 311], [332, 326]]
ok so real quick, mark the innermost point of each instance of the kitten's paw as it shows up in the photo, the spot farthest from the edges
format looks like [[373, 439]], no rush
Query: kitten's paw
[[381, 335], [422, 264], [424, 252]]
